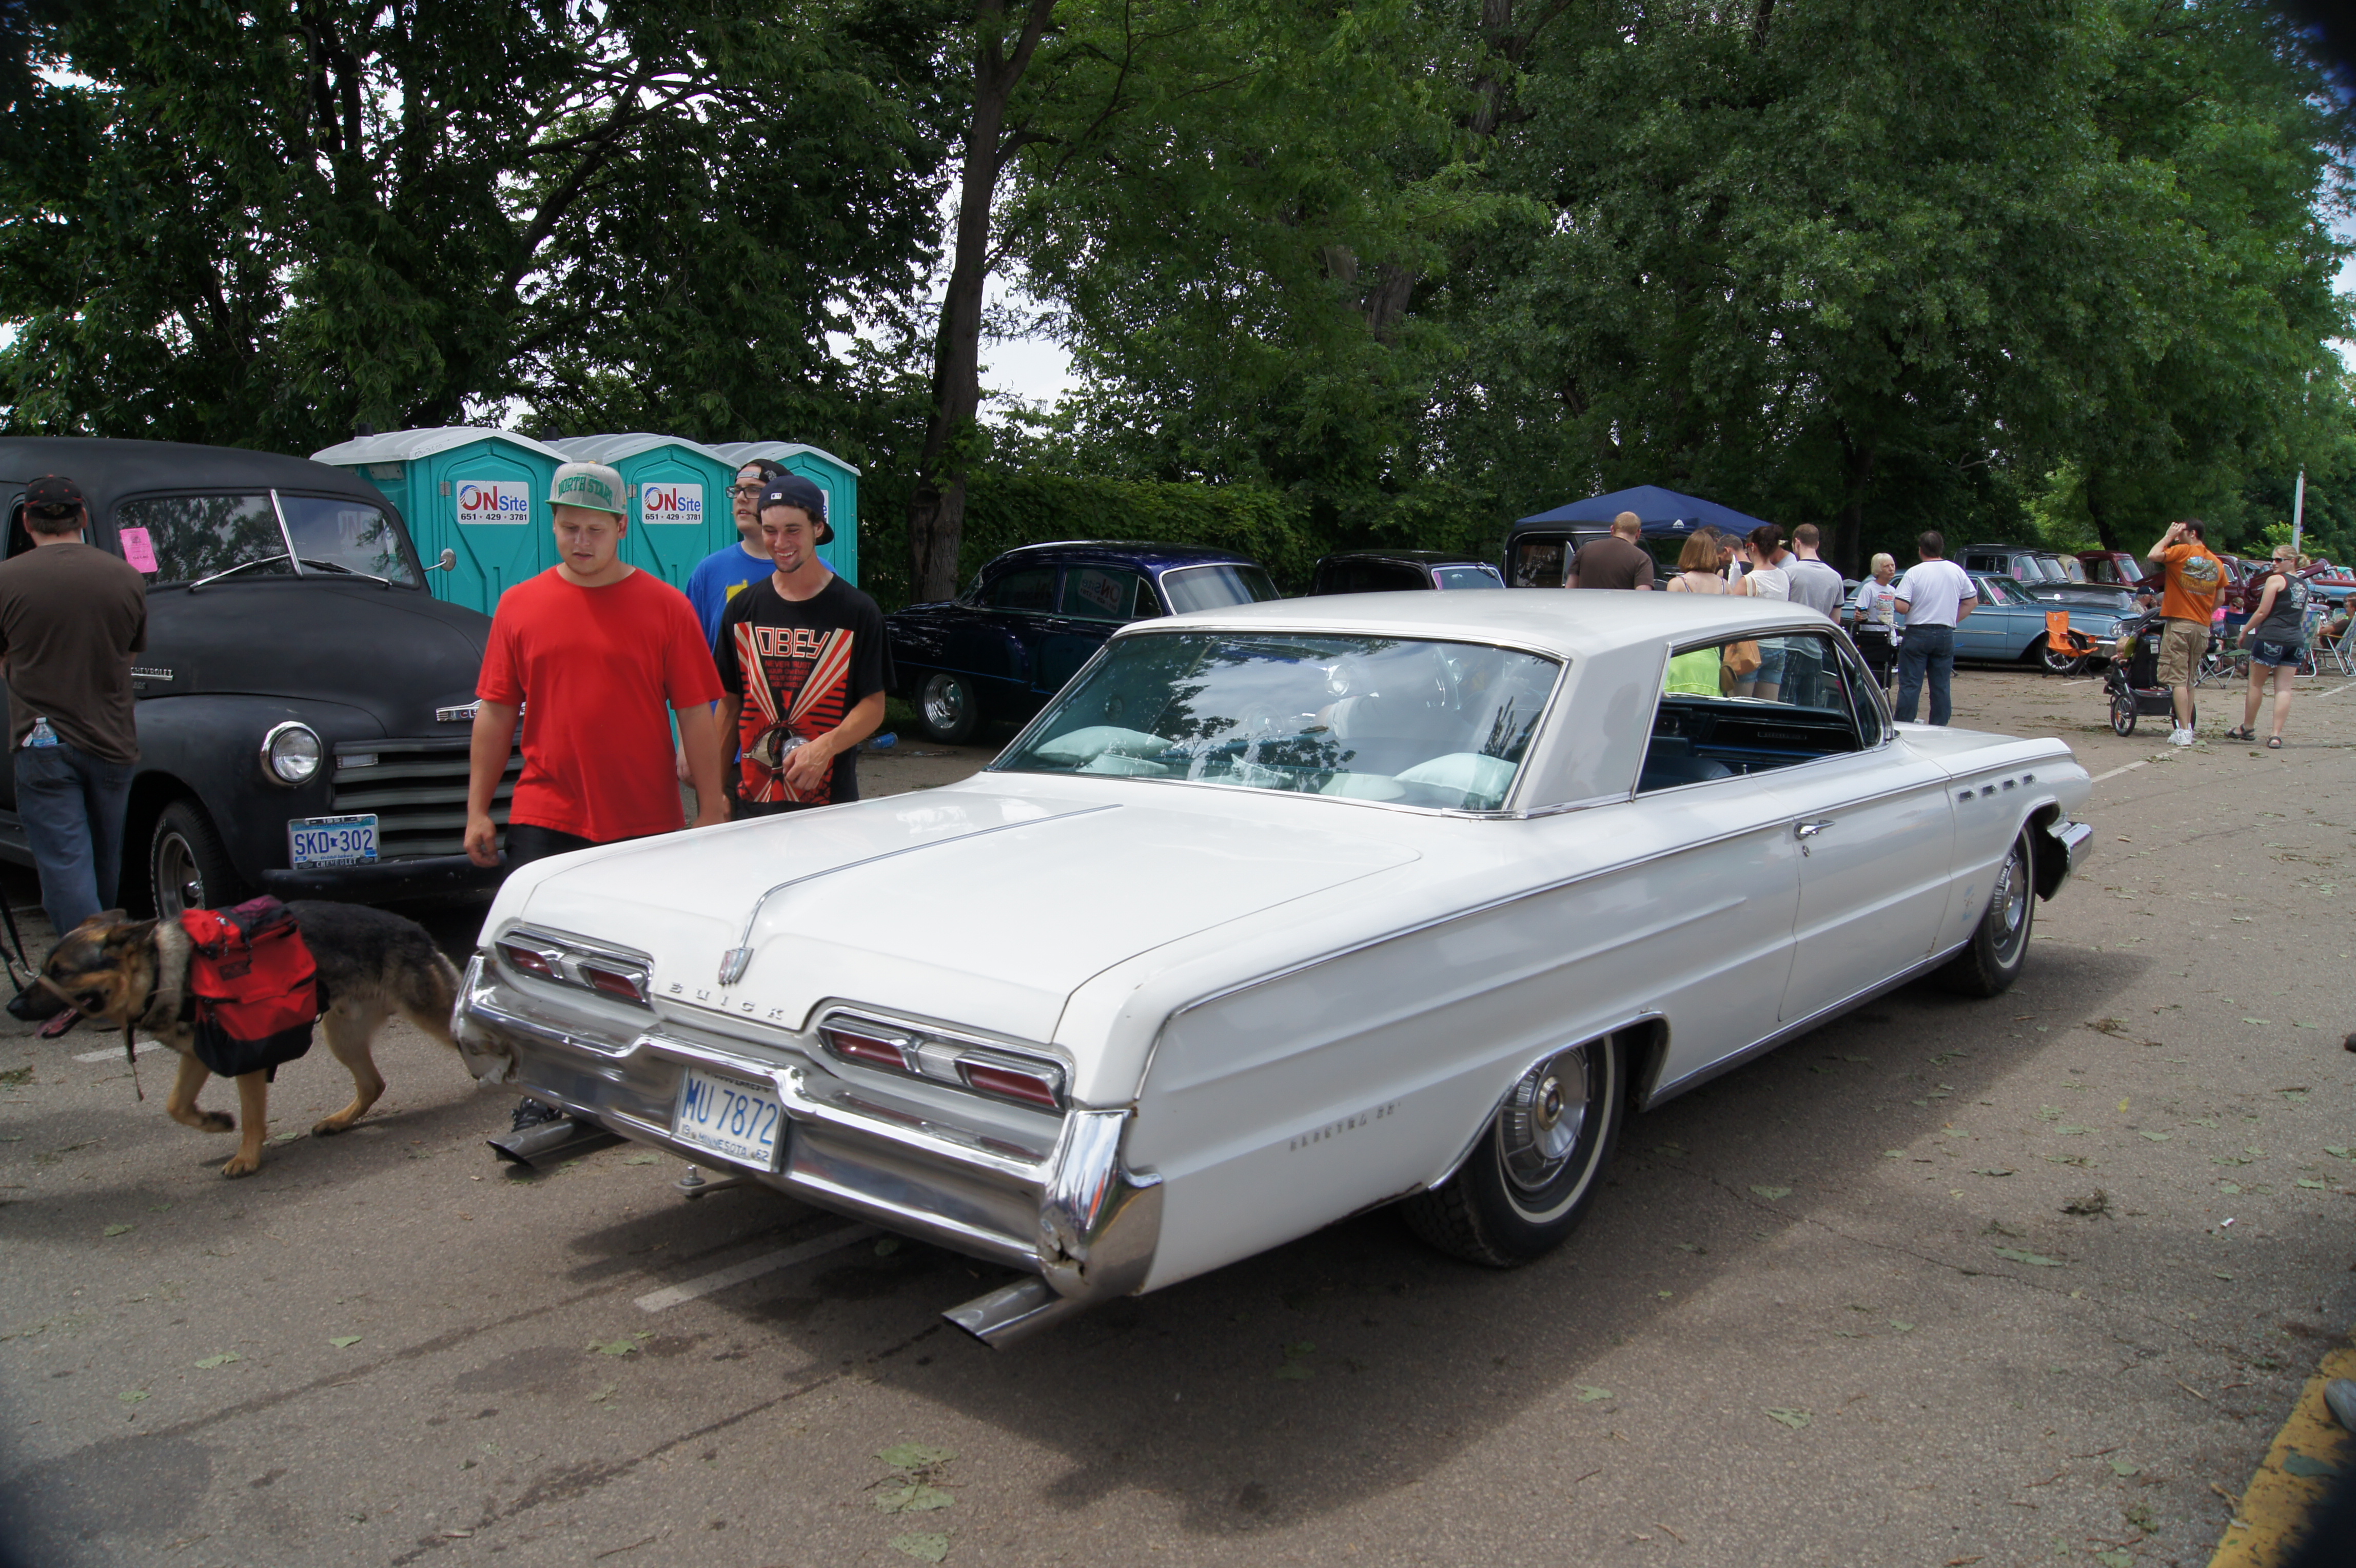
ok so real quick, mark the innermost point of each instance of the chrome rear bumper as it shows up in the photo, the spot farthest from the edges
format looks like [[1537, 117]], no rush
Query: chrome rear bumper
[[2070, 843], [1065, 1209]]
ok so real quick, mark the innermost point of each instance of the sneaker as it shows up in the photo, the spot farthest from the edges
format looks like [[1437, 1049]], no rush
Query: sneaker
[[532, 1113], [2180, 737], [2339, 1394]]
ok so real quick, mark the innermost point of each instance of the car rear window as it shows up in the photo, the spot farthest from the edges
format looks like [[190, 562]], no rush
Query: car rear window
[[1216, 587]]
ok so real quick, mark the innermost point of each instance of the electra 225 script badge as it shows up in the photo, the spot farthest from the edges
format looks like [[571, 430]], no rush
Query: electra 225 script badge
[[671, 503], [492, 501]]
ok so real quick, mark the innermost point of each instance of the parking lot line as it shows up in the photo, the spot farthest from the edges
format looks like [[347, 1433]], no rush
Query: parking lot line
[[113, 1053], [2114, 773], [2292, 1481], [753, 1268]]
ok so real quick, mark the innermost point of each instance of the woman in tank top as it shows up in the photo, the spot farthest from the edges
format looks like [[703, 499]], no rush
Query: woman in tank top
[[1767, 579], [1697, 566], [2277, 631]]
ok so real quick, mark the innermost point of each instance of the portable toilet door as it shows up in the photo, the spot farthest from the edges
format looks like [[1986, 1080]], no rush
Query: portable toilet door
[[829, 473], [480, 493], [677, 496]]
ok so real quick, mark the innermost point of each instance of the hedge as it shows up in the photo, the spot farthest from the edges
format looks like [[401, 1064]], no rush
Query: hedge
[[1006, 510]]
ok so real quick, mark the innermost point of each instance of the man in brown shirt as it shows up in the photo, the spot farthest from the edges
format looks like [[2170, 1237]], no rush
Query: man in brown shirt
[[70, 617], [1614, 561]]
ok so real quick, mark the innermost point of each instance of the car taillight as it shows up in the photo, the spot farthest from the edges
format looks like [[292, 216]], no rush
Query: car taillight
[[872, 1050], [1012, 1084], [530, 960], [613, 982]]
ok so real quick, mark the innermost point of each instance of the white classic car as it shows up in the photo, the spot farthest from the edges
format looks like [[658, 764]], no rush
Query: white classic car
[[1278, 913]]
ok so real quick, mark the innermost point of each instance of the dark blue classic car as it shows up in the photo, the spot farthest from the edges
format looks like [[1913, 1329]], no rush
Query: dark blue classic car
[[1036, 614]]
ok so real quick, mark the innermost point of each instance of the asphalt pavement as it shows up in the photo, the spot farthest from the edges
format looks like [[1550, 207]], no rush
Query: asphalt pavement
[[1945, 1283]]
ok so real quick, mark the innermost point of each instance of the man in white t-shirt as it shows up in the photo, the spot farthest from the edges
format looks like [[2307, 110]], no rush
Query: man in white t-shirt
[[1814, 581], [1934, 596]]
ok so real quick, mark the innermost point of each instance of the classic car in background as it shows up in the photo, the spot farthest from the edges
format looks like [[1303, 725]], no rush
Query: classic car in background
[[2050, 576], [2118, 569], [1036, 614], [1418, 896], [305, 705], [2009, 626], [1402, 571]]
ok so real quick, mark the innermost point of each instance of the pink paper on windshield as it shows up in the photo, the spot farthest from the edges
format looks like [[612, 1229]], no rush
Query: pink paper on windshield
[[138, 549]]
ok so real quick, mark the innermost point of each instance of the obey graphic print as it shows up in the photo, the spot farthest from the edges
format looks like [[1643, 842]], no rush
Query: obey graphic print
[[802, 692], [796, 669]]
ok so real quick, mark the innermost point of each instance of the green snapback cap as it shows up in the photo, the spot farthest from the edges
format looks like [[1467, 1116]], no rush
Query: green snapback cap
[[591, 485]]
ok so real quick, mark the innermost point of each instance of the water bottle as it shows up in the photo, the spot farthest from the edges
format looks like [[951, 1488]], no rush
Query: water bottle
[[40, 735]]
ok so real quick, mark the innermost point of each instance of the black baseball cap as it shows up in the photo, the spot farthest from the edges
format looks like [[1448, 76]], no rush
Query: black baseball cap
[[53, 498], [792, 489]]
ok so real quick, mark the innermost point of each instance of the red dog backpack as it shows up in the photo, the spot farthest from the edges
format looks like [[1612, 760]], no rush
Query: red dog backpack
[[255, 985]]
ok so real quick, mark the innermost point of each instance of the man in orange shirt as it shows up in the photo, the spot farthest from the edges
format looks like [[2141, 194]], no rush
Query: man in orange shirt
[[2191, 578]]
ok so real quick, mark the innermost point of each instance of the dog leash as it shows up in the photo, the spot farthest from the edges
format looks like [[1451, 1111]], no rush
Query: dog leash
[[16, 941], [130, 1055]]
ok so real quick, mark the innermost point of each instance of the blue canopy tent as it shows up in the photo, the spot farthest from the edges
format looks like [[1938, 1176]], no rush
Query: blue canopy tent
[[1538, 547]]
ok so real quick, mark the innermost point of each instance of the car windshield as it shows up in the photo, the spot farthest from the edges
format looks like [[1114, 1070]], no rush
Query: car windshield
[[1370, 718], [2000, 591], [1467, 577], [186, 538], [1216, 587]]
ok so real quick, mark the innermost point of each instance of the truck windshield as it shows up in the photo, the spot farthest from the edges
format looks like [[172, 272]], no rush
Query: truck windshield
[[1371, 718], [186, 538]]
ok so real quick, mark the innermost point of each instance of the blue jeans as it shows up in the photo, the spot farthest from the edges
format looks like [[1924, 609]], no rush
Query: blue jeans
[[1932, 650], [71, 804]]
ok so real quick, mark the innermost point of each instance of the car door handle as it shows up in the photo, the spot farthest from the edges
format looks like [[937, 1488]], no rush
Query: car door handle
[[1810, 830]]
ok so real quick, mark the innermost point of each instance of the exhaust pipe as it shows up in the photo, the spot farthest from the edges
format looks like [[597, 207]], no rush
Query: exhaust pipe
[[1013, 1313], [559, 1139]]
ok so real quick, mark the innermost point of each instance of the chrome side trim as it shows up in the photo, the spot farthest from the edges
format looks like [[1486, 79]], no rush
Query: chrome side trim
[[733, 962], [1823, 1015]]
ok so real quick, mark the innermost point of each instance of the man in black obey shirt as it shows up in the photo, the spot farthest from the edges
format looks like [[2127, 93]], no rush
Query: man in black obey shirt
[[802, 655]]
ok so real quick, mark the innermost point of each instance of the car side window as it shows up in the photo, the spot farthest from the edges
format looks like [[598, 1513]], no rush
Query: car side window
[[1745, 706], [1098, 593], [1033, 588]]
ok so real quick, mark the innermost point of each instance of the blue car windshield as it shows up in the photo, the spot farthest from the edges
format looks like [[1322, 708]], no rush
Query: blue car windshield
[[1417, 723], [1216, 587]]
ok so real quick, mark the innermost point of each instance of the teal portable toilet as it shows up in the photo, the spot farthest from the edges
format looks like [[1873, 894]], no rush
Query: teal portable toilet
[[829, 473], [677, 491], [480, 493]]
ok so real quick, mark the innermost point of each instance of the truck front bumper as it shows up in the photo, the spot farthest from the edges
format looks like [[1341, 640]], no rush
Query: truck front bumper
[[1065, 1209]]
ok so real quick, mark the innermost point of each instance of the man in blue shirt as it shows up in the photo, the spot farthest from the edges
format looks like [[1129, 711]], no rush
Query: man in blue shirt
[[718, 577]]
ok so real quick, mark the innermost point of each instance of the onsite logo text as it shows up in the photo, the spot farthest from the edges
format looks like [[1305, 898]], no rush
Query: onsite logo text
[[492, 501], [671, 503]]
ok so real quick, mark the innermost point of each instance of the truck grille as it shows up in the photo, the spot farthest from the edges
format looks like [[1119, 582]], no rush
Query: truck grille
[[418, 790]]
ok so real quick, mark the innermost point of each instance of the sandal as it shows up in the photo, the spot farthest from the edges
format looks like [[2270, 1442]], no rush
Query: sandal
[[2273, 742], [2245, 733]]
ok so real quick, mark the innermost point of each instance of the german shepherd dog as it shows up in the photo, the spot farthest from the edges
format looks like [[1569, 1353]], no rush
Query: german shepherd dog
[[371, 965]]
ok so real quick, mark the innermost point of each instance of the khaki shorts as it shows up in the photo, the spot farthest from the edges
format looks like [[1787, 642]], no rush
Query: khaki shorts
[[2181, 644]]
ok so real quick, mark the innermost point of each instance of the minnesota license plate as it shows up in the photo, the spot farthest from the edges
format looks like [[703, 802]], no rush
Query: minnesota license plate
[[731, 1116], [331, 841]]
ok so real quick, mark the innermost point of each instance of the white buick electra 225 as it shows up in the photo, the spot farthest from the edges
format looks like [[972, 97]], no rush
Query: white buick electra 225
[[1278, 913]]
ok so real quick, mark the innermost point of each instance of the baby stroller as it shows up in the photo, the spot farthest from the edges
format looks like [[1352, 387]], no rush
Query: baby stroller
[[2133, 676]]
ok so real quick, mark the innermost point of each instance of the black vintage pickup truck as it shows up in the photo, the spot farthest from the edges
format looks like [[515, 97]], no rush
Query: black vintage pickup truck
[[305, 703]]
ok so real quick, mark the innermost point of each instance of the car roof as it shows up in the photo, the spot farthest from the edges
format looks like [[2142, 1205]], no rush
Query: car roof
[[1147, 554], [1410, 557], [1567, 622], [107, 469]]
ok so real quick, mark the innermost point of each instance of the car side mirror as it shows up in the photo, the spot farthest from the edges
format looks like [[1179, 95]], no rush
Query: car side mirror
[[449, 562]]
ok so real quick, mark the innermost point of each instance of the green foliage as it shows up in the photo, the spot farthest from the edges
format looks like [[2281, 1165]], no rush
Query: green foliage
[[259, 227], [1006, 509]]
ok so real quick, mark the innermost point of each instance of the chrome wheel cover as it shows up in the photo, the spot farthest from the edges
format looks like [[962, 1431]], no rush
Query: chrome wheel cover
[[2008, 907], [179, 886], [1543, 1120], [945, 703]]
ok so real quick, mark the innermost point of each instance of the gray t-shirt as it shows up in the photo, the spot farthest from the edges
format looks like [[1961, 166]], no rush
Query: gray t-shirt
[[1815, 585], [70, 617]]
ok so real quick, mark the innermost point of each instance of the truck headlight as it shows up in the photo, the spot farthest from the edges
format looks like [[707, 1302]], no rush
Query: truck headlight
[[291, 753]]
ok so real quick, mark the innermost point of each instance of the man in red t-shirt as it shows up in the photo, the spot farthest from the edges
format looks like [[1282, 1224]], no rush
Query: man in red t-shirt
[[596, 655]]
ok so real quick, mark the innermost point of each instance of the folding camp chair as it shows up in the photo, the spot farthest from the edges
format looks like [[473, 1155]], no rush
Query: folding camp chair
[[2066, 650], [2336, 652]]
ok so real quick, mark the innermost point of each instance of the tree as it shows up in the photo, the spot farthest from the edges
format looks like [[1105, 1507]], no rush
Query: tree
[[259, 227]]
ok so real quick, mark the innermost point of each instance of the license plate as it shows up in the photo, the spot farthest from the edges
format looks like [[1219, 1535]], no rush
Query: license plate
[[331, 841], [730, 1116]]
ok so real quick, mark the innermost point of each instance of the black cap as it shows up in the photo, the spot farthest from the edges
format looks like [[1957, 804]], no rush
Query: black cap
[[53, 498], [792, 489]]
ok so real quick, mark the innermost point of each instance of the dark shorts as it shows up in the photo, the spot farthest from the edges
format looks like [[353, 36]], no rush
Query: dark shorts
[[528, 843], [2276, 653]]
